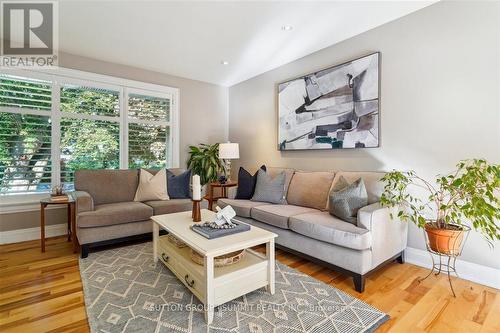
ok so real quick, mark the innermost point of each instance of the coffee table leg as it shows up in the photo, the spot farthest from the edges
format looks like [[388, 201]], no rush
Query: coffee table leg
[[271, 267], [209, 290], [156, 233]]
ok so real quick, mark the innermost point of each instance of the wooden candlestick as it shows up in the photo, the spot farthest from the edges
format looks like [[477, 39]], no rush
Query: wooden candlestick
[[196, 213]]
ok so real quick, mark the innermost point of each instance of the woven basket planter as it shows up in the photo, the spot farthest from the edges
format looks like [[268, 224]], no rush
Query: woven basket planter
[[220, 261], [176, 241]]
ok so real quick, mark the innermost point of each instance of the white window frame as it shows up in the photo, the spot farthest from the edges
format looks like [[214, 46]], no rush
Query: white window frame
[[60, 76]]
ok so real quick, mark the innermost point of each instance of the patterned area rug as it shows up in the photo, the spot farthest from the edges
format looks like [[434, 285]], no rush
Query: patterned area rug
[[125, 292]]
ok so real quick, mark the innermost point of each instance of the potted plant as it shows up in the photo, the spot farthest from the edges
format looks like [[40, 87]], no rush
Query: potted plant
[[204, 161], [468, 194]]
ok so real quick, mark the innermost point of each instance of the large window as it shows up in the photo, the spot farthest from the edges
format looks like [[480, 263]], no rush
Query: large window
[[80, 124]]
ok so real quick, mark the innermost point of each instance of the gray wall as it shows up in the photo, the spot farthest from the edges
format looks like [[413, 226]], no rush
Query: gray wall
[[203, 119], [439, 101]]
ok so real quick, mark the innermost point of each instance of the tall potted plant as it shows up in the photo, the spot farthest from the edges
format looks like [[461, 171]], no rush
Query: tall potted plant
[[468, 194], [204, 161]]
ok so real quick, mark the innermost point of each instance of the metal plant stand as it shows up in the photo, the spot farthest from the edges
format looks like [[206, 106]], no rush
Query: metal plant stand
[[446, 260]]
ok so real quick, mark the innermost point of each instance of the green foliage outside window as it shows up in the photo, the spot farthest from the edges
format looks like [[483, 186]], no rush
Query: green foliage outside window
[[25, 140]]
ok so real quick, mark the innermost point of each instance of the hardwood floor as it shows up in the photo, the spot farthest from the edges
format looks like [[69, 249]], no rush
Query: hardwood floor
[[42, 292]]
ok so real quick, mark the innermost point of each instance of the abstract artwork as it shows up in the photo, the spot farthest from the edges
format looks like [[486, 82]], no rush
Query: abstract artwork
[[334, 108]]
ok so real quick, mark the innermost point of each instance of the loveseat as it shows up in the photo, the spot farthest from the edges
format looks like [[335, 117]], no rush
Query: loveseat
[[305, 227], [107, 212]]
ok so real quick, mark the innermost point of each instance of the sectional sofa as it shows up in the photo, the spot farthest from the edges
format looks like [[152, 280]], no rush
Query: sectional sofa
[[305, 227], [107, 212]]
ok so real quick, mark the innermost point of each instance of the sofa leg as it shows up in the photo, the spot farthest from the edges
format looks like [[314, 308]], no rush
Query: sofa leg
[[359, 282], [84, 250], [401, 258]]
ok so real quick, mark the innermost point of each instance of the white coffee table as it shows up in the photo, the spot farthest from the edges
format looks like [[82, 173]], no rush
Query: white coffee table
[[214, 286]]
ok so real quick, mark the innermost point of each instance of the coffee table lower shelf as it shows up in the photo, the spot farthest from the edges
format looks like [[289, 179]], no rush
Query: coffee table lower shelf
[[228, 283]]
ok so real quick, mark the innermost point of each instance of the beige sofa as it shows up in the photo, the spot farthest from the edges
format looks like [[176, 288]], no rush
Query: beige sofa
[[107, 212], [305, 227]]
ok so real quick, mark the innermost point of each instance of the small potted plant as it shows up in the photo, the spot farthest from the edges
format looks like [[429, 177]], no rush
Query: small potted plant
[[204, 161], [468, 194]]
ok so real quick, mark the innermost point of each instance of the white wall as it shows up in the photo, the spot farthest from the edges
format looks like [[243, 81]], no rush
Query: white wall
[[440, 93]]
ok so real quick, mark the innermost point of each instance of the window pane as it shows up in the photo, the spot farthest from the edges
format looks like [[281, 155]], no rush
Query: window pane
[[88, 144], [93, 101], [25, 162], [148, 108], [148, 146], [23, 93]]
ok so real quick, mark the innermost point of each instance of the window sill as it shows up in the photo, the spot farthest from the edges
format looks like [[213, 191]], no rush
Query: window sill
[[18, 203]]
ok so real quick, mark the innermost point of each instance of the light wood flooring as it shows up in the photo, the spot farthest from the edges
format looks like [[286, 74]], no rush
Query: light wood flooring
[[42, 292]]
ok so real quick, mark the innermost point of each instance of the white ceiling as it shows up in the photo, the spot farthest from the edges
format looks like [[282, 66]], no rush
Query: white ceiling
[[190, 39]]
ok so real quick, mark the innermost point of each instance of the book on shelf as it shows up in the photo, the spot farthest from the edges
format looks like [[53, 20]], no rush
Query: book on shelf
[[59, 197], [212, 233]]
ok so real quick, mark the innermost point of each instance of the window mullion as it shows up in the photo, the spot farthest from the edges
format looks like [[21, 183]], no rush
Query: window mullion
[[56, 134], [124, 128]]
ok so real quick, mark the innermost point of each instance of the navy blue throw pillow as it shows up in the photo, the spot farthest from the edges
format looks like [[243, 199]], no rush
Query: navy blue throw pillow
[[246, 183], [178, 186]]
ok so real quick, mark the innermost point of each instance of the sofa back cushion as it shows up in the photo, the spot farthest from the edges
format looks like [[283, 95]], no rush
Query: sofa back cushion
[[270, 189], [374, 187], [274, 171], [178, 186], [108, 186], [310, 189]]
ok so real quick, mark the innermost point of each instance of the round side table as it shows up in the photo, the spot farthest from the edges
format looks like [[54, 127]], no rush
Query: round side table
[[70, 203], [210, 195]]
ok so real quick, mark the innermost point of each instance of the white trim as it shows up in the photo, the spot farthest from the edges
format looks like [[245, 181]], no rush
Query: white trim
[[124, 129], [10, 109], [22, 235], [47, 74], [19, 203], [175, 130], [55, 137], [148, 122], [484, 275], [114, 119]]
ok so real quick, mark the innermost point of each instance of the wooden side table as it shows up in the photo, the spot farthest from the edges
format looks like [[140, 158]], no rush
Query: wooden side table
[[71, 220], [210, 195]]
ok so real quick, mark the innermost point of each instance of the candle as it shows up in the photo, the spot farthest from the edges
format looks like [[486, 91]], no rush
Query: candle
[[196, 188], [196, 180]]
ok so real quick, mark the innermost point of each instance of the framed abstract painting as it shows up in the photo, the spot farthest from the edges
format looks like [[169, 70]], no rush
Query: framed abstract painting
[[334, 108]]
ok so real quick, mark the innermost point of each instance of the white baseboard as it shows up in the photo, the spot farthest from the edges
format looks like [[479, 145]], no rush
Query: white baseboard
[[484, 275], [22, 235]]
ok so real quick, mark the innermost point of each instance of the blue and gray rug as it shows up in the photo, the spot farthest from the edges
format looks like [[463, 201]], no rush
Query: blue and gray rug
[[125, 292]]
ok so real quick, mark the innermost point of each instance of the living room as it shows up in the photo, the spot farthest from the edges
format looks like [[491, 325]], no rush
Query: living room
[[250, 166]]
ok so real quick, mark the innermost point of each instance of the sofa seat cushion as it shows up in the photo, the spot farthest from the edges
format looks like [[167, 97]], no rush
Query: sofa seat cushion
[[115, 213], [324, 227], [278, 215], [242, 207], [170, 206]]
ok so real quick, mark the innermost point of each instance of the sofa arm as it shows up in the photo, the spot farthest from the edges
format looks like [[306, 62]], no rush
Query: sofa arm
[[84, 201], [389, 236]]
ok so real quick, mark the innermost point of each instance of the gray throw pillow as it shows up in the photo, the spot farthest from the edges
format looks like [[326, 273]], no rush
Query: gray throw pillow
[[269, 189], [346, 199]]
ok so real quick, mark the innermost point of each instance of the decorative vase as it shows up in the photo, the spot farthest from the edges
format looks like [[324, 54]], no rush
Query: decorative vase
[[196, 212], [445, 241]]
